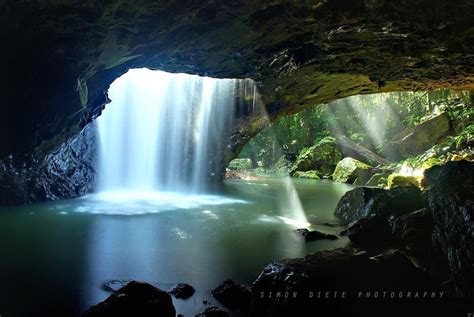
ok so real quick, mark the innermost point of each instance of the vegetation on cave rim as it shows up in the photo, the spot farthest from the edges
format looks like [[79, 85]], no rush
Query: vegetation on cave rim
[[299, 145]]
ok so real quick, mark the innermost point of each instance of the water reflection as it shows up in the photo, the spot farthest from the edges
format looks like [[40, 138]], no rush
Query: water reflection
[[58, 255]]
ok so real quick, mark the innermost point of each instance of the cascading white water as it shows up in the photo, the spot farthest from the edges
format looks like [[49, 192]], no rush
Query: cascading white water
[[162, 131]]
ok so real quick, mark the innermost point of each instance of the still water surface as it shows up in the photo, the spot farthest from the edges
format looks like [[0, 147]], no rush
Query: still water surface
[[55, 256]]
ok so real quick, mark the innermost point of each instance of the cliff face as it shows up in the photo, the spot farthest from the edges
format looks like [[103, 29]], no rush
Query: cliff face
[[67, 172], [59, 57]]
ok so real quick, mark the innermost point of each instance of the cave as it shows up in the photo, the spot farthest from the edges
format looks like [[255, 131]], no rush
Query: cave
[[237, 158]]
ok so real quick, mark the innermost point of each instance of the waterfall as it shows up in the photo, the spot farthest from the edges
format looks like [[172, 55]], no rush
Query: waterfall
[[165, 132]]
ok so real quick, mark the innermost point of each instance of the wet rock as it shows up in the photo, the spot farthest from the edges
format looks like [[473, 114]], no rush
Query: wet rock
[[67, 172], [378, 180], [135, 299], [370, 232], [212, 312], [413, 231], [348, 270], [388, 204], [307, 174], [232, 295], [114, 285], [321, 157], [450, 199], [349, 170], [182, 290], [315, 235]]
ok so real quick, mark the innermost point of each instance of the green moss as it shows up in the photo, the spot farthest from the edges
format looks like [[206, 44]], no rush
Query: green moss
[[349, 169], [240, 164], [323, 156], [397, 180], [308, 174], [431, 162], [377, 180]]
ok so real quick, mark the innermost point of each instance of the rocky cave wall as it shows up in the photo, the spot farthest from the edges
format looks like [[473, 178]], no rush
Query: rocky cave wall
[[59, 57]]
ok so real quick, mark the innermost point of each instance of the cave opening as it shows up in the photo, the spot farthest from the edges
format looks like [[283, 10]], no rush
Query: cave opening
[[418, 129]]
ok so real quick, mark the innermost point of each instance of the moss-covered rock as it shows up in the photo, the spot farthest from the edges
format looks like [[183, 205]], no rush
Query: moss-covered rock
[[323, 157], [378, 180], [307, 174], [431, 162], [397, 180], [349, 170], [421, 137], [240, 164], [388, 204], [450, 199], [281, 166]]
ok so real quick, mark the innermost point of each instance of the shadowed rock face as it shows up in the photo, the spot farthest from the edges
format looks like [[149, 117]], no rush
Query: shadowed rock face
[[450, 199], [67, 172], [59, 57]]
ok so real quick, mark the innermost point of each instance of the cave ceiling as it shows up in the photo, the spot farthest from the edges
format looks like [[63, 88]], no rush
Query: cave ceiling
[[59, 57]]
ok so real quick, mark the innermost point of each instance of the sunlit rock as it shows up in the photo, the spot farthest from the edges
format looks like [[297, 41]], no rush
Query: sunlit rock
[[378, 180], [308, 174], [396, 180], [421, 137], [323, 157], [349, 170]]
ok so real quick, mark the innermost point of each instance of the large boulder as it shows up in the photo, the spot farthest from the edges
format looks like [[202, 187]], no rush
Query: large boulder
[[232, 295], [182, 290], [135, 299], [307, 174], [420, 138], [323, 157], [378, 180], [396, 180], [388, 204], [349, 170], [329, 282], [450, 199]]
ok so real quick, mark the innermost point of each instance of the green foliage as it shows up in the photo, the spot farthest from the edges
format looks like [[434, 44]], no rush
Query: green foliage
[[240, 164], [369, 120], [307, 174]]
